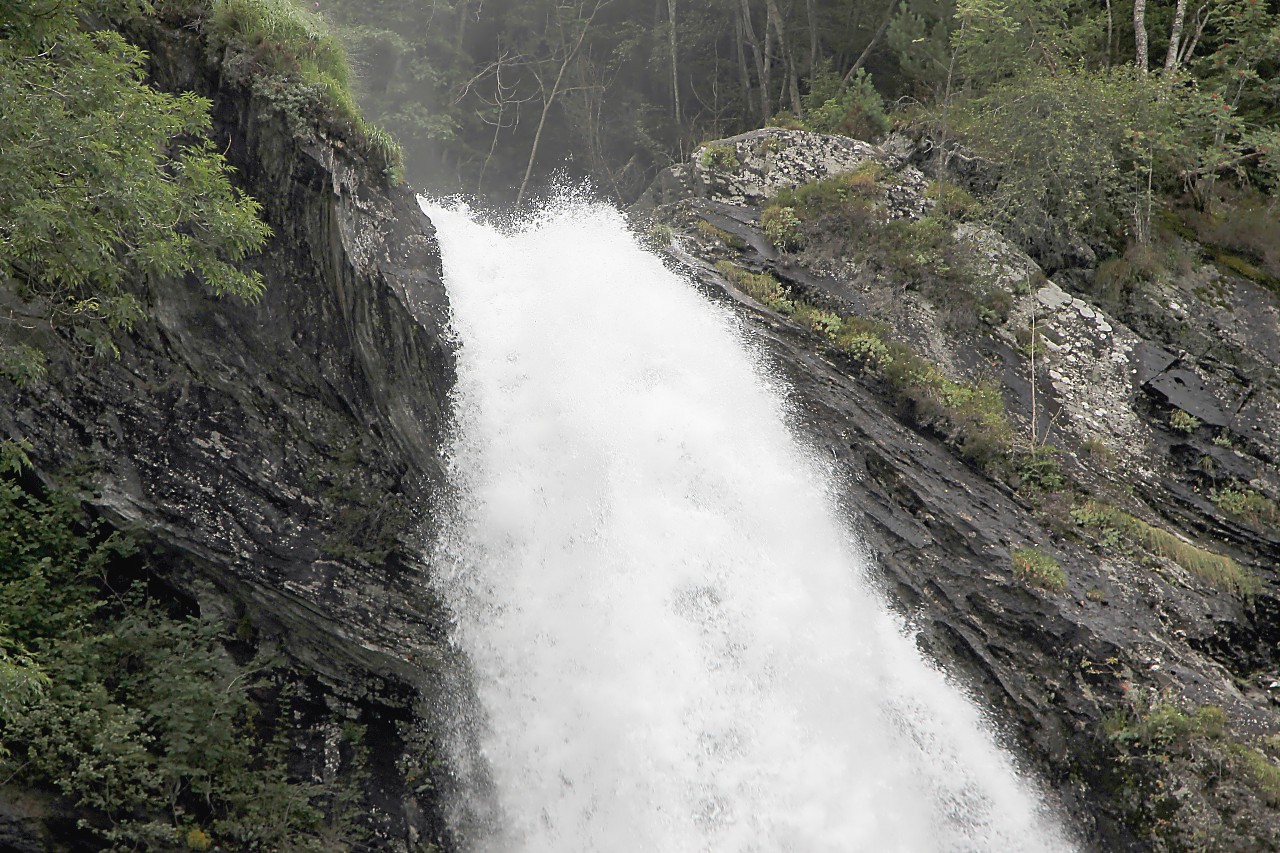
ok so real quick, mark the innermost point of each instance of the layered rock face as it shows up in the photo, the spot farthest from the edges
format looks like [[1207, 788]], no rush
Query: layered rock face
[[280, 459], [1074, 673]]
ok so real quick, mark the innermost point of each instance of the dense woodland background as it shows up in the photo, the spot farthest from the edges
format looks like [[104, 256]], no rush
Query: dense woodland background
[[1072, 97]]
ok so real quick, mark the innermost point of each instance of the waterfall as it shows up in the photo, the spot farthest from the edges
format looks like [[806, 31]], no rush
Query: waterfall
[[675, 646]]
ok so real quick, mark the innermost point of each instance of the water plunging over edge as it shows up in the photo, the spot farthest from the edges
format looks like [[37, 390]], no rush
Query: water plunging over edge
[[673, 643]]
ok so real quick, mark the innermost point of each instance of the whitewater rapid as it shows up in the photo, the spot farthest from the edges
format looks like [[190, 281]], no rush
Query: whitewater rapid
[[673, 642]]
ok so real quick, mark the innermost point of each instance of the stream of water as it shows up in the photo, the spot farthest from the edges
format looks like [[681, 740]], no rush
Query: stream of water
[[674, 643]]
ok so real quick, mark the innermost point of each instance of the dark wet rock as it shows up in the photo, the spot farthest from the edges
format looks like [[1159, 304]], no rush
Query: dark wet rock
[[1133, 630], [280, 459]]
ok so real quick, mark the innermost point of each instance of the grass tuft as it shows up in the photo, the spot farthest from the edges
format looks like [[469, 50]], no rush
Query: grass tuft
[[1036, 568], [1217, 569], [282, 40]]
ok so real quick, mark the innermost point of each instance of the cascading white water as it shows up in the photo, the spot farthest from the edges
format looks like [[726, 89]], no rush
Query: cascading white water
[[672, 637]]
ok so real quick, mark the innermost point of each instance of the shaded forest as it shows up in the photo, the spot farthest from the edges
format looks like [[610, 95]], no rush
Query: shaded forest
[[1079, 101]]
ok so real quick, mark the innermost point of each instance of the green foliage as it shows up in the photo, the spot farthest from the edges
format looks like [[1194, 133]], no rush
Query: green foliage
[[1036, 568], [1243, 236], [21, 364], [719, 158], [13, 456], [658, 235], [782, 227], [855, 109], [920, 36], [1140, 265], [1208, 764], [848, 196], [288, 38], [720, 235], [107, 181], [1218, 569], [998, 39], [1260, 769], [1164, 725], [953, 202], [1252, 507], [1183, 422], [46, 567], [140, 720], [827, 324], [867, 348], [762, 287], [1038, 469], [846, 213], [294, 58], [1078, 150], [972, 417]]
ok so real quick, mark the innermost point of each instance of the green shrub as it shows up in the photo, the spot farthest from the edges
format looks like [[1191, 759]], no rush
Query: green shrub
[[288, 37], [762, 287], [108, 182], [1254, 508], [848, 196], [658, 235], [847, 213], [855, 110], [1243, 233], [782, 227], [953, 202], [825, 323], [719, 158], [1183, 422], [868, 350], [1035, 567], [1260, 769], [1202, 752], [1039, 469], [974, 414], [140, 720], [1164, 725]]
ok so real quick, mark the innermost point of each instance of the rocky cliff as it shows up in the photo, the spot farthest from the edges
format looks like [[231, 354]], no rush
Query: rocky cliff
[[277, 461], [1072, 498]]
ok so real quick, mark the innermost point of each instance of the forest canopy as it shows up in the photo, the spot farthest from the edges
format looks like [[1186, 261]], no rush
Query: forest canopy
[[1145, 97], [106, 179]]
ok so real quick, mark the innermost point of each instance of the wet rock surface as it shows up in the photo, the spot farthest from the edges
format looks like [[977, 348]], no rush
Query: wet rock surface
[[279, 460], [1064, 672]]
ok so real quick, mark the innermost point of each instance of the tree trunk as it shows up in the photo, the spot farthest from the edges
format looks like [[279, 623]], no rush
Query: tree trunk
[[1140, 33], [1202, 17], [675, 73], [871, 45], [1175, 39], [549, 98], [744, 73], [813, 35], [773, 16], [462, 23], [1111, 42], [762, 60]]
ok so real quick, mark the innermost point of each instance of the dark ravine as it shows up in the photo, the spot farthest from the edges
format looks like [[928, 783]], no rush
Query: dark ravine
[[1131, 630], [279, 459]]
